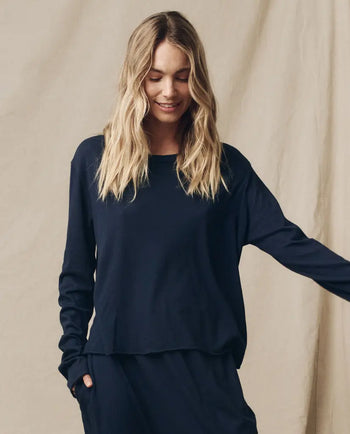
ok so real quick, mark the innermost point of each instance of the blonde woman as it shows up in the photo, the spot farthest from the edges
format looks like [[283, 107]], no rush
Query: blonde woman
[[160, 209]]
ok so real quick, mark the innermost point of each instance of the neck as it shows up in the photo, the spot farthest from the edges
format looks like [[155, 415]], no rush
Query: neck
[[164, 138]]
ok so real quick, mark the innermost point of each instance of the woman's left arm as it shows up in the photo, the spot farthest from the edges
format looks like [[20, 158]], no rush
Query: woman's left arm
[[266, 227]]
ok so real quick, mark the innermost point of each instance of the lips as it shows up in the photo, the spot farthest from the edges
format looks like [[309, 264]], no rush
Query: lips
[[167, 103]]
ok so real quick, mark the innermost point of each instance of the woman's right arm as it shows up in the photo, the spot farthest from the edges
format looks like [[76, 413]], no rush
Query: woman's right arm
[[76, 280]]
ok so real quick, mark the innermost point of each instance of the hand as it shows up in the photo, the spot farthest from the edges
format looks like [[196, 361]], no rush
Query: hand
[[87, 380]]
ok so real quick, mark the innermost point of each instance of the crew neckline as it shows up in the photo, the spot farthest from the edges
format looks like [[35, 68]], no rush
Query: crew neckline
[[163, 157]]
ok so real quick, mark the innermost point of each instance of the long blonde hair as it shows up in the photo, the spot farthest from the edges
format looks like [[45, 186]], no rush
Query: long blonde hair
[[126, 145]]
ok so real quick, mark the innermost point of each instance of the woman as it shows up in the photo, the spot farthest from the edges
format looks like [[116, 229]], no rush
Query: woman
[[169, 208]]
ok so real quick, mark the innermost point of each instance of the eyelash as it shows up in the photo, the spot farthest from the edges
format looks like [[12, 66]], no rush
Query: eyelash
[[180, 79]]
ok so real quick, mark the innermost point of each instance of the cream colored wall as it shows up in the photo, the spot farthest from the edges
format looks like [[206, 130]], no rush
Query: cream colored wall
[[280, 71]]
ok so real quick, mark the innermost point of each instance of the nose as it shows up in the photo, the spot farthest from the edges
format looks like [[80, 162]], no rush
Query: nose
[[168, 90]]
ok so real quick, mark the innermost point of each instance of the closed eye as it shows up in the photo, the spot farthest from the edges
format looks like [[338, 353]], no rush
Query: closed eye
[[180, 79]]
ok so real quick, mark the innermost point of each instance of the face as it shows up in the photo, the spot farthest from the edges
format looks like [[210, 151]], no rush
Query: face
[[167, 83]]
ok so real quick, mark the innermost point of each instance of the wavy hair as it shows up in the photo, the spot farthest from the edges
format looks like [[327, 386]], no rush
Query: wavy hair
[[127, 147]]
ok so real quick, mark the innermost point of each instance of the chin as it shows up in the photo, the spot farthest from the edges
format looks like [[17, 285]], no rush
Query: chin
[[166, 118]]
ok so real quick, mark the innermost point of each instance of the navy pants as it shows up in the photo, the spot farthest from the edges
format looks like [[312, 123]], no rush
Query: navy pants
[[170, 392]]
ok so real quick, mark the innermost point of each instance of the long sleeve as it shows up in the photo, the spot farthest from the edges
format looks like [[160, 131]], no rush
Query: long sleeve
[[76, 280], [267, 228]]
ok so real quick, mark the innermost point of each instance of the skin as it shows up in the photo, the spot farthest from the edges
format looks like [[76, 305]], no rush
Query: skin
[[87, 380], [170, 86]]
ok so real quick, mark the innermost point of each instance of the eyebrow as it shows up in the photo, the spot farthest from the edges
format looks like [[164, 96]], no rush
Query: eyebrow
[[180, 70]]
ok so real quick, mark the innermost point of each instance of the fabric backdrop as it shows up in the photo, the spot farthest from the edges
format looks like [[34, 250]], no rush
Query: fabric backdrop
[[280, 72]]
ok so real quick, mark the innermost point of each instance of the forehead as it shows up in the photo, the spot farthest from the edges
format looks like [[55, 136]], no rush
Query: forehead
[[169, 58]]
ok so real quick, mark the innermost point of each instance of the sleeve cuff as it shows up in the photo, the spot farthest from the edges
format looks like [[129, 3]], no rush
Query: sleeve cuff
[[77, 370]]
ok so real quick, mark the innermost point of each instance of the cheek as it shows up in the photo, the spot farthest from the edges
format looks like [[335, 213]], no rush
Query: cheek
[[149, 90], [186, 92], [188, 97]]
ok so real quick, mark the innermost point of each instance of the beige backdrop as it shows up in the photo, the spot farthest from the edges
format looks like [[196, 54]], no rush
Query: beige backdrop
[[280, 71]]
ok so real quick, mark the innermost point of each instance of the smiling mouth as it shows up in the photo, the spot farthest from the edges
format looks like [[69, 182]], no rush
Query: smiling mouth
[[167, 104]]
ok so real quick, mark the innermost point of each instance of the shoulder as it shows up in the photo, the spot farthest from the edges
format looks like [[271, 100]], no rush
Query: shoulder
[[238, 163], [88, 151], [234, 156], [91, 146]]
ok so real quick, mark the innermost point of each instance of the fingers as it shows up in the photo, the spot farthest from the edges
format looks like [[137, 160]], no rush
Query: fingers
[[87, 380]]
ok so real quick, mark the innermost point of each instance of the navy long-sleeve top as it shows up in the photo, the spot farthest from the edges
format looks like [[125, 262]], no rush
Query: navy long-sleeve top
[[162, 272]]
